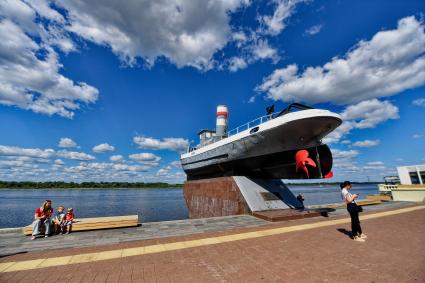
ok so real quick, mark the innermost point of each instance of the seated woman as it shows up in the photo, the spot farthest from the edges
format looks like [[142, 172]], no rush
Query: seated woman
[[42, 216]]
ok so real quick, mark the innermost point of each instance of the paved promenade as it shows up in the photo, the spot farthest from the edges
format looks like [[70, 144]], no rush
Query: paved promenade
[[309, 250], [13, 243]]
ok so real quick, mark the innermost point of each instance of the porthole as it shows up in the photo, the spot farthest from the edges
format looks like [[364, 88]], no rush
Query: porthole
[[254, 130]]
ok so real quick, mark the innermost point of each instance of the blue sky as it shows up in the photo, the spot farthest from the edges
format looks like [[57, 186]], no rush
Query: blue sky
[[138, 80]]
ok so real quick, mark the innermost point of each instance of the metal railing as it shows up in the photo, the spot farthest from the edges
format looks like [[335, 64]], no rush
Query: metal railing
[[251, 124]]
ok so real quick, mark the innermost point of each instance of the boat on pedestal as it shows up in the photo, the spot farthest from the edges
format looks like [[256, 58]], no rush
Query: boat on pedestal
[[283, 145]]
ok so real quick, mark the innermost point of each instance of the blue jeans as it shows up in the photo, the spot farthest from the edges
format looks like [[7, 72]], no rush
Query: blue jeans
[[37, 224]]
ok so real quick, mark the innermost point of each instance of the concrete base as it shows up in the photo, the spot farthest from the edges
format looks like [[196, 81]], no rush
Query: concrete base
[[241, 195]]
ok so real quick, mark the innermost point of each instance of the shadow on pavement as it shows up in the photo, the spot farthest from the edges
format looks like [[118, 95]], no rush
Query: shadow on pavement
[[344, 231], [11, 254]]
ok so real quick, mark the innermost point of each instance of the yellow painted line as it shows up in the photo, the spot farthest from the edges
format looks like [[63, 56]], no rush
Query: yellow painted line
[[81, 258], [158, 248], [133, 251], [24, 265], [4, 266], [154, 249], [174, 246], [55, 261]]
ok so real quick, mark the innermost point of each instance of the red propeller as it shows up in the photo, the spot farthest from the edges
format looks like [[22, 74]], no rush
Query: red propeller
[[301, 161]]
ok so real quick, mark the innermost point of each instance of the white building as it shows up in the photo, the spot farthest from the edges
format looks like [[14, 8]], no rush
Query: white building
[[411, 175]]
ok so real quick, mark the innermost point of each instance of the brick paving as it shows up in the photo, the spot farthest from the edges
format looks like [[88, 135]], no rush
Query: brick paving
[[394, 252], [13, 243]]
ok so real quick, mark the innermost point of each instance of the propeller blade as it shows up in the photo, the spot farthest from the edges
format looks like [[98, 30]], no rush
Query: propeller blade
[[302, 160], [310, 162], [301, 155], [329, 175], [306, 171]]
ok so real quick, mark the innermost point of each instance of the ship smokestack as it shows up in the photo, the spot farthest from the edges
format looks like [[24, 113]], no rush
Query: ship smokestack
[[221, 125]]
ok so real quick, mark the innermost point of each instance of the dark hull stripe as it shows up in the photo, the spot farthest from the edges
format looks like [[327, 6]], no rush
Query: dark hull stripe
[[207, 159]]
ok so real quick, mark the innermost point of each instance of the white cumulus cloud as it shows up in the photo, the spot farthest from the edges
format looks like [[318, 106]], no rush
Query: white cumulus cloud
[[344, 153], [145, 157], [275, 24], [163, 172], [366, 143], [29, 152], [313, 30], [75, 155], [177, 144], [177, 164], [374, 165], [419, 102], [343, 161], [103, 147], [253, 43], [30, 75], [29, 80], [41, 154], [369, 113], [237, 63], [391, 62], [132, 168], [185, 32], [366, 114], [116, 158], [67, 143]]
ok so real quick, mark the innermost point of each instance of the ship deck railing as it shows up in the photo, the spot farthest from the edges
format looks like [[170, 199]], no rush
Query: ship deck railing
[[247, 126], [251, 124]]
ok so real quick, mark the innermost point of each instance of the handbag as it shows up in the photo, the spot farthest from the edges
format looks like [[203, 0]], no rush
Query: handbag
[[353, 207]]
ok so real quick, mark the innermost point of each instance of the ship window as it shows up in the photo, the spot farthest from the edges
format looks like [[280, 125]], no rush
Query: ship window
[[414, 178], [254, 130]]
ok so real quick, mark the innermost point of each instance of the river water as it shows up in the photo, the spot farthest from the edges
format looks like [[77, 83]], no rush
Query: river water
[[17, 206]]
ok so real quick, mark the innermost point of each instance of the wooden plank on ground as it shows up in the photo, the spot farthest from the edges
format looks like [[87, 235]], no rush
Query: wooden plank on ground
[[359, 202], [379, 197], [368, 202]]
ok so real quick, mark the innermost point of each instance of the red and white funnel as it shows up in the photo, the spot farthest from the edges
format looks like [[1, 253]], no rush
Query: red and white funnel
[[221, 125]]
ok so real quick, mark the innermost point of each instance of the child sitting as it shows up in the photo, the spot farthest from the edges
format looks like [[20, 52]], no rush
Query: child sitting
[[59, 219], [69, 217]]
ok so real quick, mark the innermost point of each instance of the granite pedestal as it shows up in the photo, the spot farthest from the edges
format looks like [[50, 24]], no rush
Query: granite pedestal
[[236, 195]]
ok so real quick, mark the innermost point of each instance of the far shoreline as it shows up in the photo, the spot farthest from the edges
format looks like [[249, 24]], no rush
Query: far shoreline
[[100, 188], [58, 185]]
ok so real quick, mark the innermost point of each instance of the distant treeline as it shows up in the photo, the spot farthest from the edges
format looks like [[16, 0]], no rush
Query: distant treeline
[[83, 185]]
